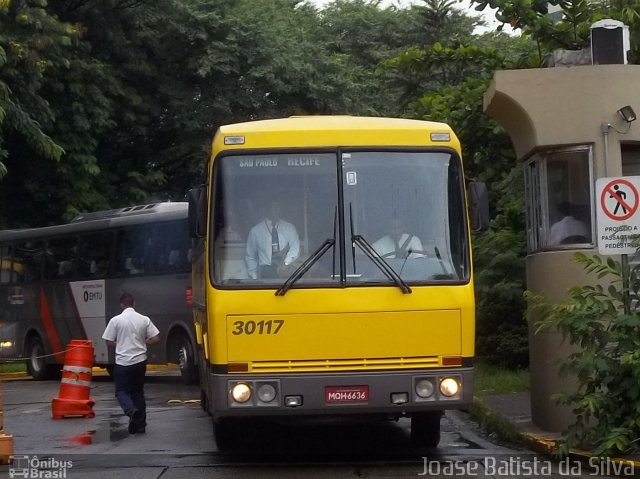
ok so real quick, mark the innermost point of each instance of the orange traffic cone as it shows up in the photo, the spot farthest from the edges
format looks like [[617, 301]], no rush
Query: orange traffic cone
[[73, 399], [6, 440]]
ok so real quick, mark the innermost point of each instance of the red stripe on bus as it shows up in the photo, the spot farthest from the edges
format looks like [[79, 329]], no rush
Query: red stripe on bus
[[49, 328], [76, 311]]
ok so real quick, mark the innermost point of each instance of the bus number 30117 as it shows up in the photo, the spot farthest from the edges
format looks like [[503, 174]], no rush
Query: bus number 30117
[[257, 327]]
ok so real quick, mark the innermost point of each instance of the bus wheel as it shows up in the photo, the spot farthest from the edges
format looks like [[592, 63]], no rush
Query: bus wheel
[[187, 360], [425, 429], [36, 364]]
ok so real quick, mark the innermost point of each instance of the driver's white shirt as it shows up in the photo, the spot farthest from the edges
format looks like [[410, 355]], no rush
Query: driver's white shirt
[[130, 330], [258, 251], [387, 246]]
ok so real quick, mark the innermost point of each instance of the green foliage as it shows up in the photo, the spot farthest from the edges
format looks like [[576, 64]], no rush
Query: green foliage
[[31, 42], [606, 362], [499, 262], [495, 424], [107, 103], [57, 101], [360, 36], [572, 31], [491, 379], [447, 83]]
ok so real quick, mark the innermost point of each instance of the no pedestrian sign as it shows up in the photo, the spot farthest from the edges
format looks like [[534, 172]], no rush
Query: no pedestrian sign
[[617, 214]]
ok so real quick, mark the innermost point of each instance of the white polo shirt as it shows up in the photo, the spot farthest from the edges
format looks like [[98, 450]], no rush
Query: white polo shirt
[[129, 330]]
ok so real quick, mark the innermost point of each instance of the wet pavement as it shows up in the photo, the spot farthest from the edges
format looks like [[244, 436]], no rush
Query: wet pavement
[[176, 423], [179, 442]]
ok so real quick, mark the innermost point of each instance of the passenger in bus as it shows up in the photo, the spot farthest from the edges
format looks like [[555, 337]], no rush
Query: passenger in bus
[[399, 244], [273, 244], [65, 269], [99, 267], [130, 332], [134, 266]]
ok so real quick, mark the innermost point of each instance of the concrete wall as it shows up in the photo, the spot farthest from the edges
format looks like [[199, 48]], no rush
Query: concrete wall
[[552, 107], [550, 274]]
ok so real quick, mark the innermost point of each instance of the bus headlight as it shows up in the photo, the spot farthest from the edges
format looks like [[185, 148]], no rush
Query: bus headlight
[[266, 393], [425, 388], [241, 393], [449, 387]]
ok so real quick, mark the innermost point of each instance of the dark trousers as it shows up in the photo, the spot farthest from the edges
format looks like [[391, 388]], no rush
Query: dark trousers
[[129, 382]]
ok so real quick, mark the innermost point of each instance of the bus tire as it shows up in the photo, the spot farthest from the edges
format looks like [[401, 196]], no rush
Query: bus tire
[[185, 354], [425, 429], [36, 363]]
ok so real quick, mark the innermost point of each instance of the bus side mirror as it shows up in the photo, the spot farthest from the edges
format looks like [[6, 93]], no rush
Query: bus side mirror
[[479, 205], [197, 212]]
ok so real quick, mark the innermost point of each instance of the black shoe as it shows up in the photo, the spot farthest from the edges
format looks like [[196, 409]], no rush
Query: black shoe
[[135, 422], [141, 429]]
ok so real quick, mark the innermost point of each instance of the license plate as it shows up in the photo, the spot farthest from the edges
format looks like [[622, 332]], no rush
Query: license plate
[[346, 394]]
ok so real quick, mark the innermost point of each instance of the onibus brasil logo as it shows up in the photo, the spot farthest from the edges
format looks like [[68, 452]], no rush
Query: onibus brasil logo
[[33, 467]]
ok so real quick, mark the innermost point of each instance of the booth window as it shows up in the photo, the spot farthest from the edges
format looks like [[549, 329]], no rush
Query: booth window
[[558, 199]]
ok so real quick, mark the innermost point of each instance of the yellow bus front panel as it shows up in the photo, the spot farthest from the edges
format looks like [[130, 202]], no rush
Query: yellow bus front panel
[[343, 340]]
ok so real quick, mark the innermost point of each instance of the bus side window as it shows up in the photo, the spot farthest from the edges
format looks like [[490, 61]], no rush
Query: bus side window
[[132, 244], [179, 245], [31, 255], [95, 255], [169, 248], [6, 269], [60, 258], [159, 256]]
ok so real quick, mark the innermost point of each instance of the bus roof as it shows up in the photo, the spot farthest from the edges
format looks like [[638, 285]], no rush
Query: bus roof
[[101, 220], [158, 208], [332, 131]]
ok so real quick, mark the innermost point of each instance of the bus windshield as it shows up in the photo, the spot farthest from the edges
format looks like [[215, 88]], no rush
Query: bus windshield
[[341, 218]]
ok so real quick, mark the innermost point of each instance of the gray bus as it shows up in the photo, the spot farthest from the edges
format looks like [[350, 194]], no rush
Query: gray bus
[[63, 282]]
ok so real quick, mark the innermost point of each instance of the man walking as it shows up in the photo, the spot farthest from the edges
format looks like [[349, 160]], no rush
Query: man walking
[[130, 332]]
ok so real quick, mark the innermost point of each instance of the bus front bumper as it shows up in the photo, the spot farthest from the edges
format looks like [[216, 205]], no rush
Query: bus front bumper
[[395, 393]]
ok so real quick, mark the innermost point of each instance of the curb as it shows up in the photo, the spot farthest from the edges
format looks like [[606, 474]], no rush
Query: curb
[[497, 423], [10, 376]]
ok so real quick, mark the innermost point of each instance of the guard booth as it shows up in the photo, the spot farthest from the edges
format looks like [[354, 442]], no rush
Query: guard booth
[[570, 126]]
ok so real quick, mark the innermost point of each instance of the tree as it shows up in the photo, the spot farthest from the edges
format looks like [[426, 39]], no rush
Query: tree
[[71, 96], [572, 31], [438, 21], [32, 43], [360, 36], [500, 271]]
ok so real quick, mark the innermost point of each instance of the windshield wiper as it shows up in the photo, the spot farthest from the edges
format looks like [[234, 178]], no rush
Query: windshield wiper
[[306, 266], [380, 262]]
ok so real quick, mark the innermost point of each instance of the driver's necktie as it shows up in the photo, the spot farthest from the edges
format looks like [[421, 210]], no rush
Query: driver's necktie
[[275, 240]]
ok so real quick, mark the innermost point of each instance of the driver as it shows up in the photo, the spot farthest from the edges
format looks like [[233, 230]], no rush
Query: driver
[[272, 244]]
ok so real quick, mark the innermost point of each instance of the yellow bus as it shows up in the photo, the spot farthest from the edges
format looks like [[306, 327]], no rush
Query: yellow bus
[[363, 301]]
